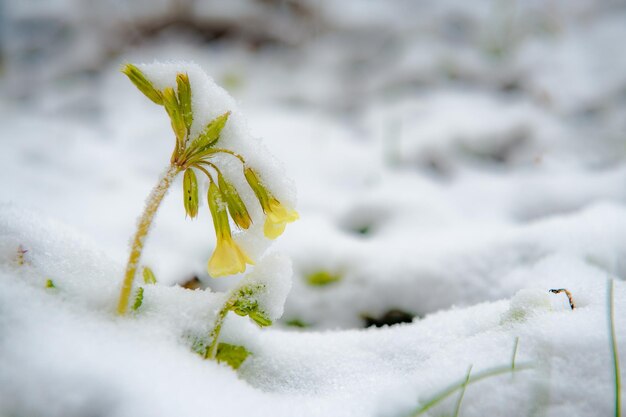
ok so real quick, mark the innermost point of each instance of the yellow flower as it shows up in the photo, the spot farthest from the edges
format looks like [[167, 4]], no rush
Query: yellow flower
[[228, 258], [277, 218], [277, 215]]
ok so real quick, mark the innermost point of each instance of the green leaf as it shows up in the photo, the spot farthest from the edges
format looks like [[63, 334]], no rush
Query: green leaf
[[184, 98], [142, 83], [50, 284], [190, 193], [138, 298], [148, 276], [260, 318], [210, 134], [233, 355]]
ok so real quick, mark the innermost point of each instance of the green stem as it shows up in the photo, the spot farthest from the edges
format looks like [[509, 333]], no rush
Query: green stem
[[198, 156], [152, 205], [211, 351]]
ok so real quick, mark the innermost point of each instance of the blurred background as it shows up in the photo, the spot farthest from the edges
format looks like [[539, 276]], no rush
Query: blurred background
[[421, 135]]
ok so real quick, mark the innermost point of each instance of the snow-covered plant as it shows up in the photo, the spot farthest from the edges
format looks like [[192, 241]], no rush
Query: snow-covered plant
[[260, 296], [199, 148]]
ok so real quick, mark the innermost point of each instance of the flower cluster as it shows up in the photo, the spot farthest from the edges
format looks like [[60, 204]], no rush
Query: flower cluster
[[198, 153]]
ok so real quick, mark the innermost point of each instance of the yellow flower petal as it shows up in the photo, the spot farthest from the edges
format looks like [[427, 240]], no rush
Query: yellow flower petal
[[273, 230], [281, 214], [277, 218], [227, 259]]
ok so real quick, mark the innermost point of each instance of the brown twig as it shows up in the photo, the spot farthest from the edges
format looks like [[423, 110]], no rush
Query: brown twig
[[569, 296]]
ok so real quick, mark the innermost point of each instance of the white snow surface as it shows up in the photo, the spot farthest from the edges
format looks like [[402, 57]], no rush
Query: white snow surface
[[454, 161], [63, 351]]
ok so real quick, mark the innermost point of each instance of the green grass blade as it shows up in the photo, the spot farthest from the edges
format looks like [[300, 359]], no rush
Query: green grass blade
[[458, 403], [487, 373], [618, 384], [514, 352]]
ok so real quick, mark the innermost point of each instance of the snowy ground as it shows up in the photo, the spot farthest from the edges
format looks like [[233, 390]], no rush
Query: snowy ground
[[453, 163]]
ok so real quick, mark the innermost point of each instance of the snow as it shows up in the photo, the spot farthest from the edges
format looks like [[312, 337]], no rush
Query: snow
[[453, 162]]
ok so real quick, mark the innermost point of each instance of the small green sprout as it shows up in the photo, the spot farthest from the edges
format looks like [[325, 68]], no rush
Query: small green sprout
[[242, 301], [138, 299], [197, 154], [148, 276], [322, 278], [50, 283]]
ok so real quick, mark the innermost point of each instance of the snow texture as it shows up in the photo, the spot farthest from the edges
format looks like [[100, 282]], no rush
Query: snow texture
[[454, 162]]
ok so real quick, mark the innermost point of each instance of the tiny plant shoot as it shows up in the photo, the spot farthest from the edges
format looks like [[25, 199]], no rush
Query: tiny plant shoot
[[193, 155]]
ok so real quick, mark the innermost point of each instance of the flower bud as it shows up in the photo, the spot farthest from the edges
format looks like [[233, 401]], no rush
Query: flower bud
[[211, 133], [184, 98], [172, 106], [190, 193], [236, 206], [142, 83]]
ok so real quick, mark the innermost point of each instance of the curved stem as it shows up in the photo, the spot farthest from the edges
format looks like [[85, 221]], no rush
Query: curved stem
[[211, 351], [207, 173], [228, 151], [156, 196], [199, 155]]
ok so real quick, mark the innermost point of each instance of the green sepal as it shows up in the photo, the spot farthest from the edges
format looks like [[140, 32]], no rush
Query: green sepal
[[262, 194], [148, 276], [138, 298], [190, 193], [233, 355], [142, 83], [172, 106], [236, 207], [184, 98], [210, 134], [219, 211]]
